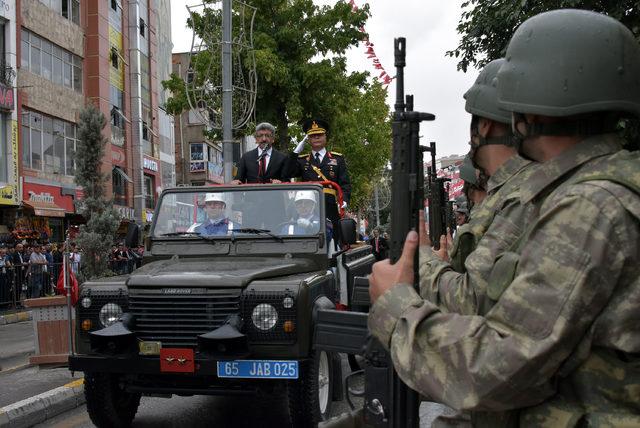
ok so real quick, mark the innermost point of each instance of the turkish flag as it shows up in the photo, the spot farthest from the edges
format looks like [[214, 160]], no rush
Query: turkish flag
[[74, 286]]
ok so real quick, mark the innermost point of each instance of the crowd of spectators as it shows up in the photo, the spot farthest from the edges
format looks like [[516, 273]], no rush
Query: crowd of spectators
[[32, 270]]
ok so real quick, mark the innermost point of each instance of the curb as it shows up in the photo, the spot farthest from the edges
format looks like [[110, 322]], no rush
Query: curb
[[41, 407], [14, 318]]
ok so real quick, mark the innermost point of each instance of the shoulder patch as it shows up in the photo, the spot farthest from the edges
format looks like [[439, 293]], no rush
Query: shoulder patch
[[304, 155], [338, 154]]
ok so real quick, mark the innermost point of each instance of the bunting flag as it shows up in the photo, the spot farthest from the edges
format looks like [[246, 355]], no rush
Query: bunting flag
[[384, 78]]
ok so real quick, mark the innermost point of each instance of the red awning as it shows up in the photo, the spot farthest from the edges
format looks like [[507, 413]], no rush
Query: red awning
[[45, 209]]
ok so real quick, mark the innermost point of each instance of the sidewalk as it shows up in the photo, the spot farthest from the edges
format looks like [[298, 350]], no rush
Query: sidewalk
[[33, 395], [10, 318], [30, 394]]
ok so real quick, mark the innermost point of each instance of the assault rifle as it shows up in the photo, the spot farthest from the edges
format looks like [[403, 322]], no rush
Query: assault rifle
[[388, 402], [440, 211]]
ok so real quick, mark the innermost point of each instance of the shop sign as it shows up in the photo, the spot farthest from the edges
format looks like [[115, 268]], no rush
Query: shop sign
[[50, 195], [6, 98], [41, 197], [126, 212], [5, 8], [9, 192], [150, 164]]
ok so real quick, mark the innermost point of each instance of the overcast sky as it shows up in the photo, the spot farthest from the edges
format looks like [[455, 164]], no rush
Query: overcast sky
[[430, 29]]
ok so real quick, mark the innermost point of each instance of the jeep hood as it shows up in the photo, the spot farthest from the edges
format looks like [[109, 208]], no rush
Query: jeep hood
[[203, 272]]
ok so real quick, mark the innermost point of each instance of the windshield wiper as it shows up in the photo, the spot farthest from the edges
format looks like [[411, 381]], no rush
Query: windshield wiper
[[191, 234], [259, 232]]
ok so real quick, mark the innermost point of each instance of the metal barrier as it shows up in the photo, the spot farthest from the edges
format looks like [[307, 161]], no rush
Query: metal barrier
[[29, 281]]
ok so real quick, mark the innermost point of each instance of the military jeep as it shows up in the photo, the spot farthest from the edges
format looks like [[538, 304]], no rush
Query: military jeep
[[224, 304]]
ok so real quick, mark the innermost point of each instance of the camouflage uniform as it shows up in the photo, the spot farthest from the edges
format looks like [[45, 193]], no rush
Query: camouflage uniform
[[444, 283], [568, 318]]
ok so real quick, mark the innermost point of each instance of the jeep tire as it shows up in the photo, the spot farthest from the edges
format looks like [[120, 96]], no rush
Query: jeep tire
[[310, 395], [108, 404]]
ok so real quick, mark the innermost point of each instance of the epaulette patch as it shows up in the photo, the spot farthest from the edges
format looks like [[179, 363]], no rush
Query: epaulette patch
[[304, 155], [336, 153]]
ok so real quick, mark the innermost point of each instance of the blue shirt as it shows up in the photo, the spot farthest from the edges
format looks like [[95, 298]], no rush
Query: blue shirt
[[220, 227]]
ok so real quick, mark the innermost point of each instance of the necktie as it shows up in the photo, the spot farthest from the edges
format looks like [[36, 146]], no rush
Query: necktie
[[318, 158], [262, 164]]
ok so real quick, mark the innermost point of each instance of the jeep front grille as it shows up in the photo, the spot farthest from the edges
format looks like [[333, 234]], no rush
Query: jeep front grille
[[176, 318]]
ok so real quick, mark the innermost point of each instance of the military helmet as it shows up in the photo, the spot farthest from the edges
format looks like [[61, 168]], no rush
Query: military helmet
[[482, 97], [468, 172], [567, 62]]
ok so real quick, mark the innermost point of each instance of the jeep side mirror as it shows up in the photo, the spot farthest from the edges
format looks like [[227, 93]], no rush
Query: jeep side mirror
[[133, 235], [348, 231]]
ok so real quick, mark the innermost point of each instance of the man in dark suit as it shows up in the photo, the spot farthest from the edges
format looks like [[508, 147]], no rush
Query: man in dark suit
[[264, 164], [379, 245], [322, 165]]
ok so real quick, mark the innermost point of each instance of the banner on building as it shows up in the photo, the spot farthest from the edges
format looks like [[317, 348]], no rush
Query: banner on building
[[9, 194]]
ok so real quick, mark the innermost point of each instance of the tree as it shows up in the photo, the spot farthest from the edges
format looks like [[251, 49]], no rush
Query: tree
[[299, 50], [486, 27], [362, 132], [97, 235], [300, 60]]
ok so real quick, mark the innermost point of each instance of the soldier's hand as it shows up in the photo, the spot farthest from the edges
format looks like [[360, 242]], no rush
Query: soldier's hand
[[236, 182], [385, 275], [276, 181]]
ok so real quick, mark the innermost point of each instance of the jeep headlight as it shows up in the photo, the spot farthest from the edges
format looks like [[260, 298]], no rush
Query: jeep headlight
[[109, 314], [264, 316]]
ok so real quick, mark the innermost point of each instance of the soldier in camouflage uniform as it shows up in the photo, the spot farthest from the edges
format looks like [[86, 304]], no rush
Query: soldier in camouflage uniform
[[560, 345], [459, 285]]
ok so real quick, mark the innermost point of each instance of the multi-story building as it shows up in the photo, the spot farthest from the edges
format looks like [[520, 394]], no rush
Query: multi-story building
[[9, 152], [198, 160], [76, 51]]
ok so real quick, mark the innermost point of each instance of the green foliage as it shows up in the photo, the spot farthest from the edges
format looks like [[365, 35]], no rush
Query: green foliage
[[95, 237], [486, 27], [362, 133], [299, 51]]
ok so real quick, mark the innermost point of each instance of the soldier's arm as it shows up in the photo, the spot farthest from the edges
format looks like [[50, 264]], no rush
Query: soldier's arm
[[463, 293], [568, 271]]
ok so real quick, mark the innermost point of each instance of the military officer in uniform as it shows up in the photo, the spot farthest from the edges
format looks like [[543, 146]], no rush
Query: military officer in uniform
[[321, 164], [559, 344]]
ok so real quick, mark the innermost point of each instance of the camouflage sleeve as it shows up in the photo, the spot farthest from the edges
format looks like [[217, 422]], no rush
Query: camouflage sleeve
[[507, 359], [446, 288], [463, 293]]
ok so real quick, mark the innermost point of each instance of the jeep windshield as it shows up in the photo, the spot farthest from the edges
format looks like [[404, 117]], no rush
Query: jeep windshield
[[223, 213]]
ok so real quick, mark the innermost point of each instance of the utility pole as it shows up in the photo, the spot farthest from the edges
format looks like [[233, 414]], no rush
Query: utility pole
[[227, 94]]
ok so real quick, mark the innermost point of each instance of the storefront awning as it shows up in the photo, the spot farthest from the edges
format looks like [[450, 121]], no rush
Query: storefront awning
[[122, 174], [45, 209]]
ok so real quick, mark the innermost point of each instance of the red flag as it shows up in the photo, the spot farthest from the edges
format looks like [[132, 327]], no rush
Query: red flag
[[74, 286], [377, 66], [384, 73], [370, 50], [371, 55]]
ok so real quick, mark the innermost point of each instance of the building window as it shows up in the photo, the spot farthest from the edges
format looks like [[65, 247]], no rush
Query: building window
[[50, 61], [114, 58], [142, 28], [197, 151], [119, 183], [114, 5], [117, 116], [69, 9], [149, 200], [48, 144]]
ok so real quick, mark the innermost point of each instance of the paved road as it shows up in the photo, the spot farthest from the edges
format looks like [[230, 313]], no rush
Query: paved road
[[203, 411], [16, 344]]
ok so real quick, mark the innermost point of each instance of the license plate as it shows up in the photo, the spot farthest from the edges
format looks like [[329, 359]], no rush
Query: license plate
[[177, 360], [262, 369]]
